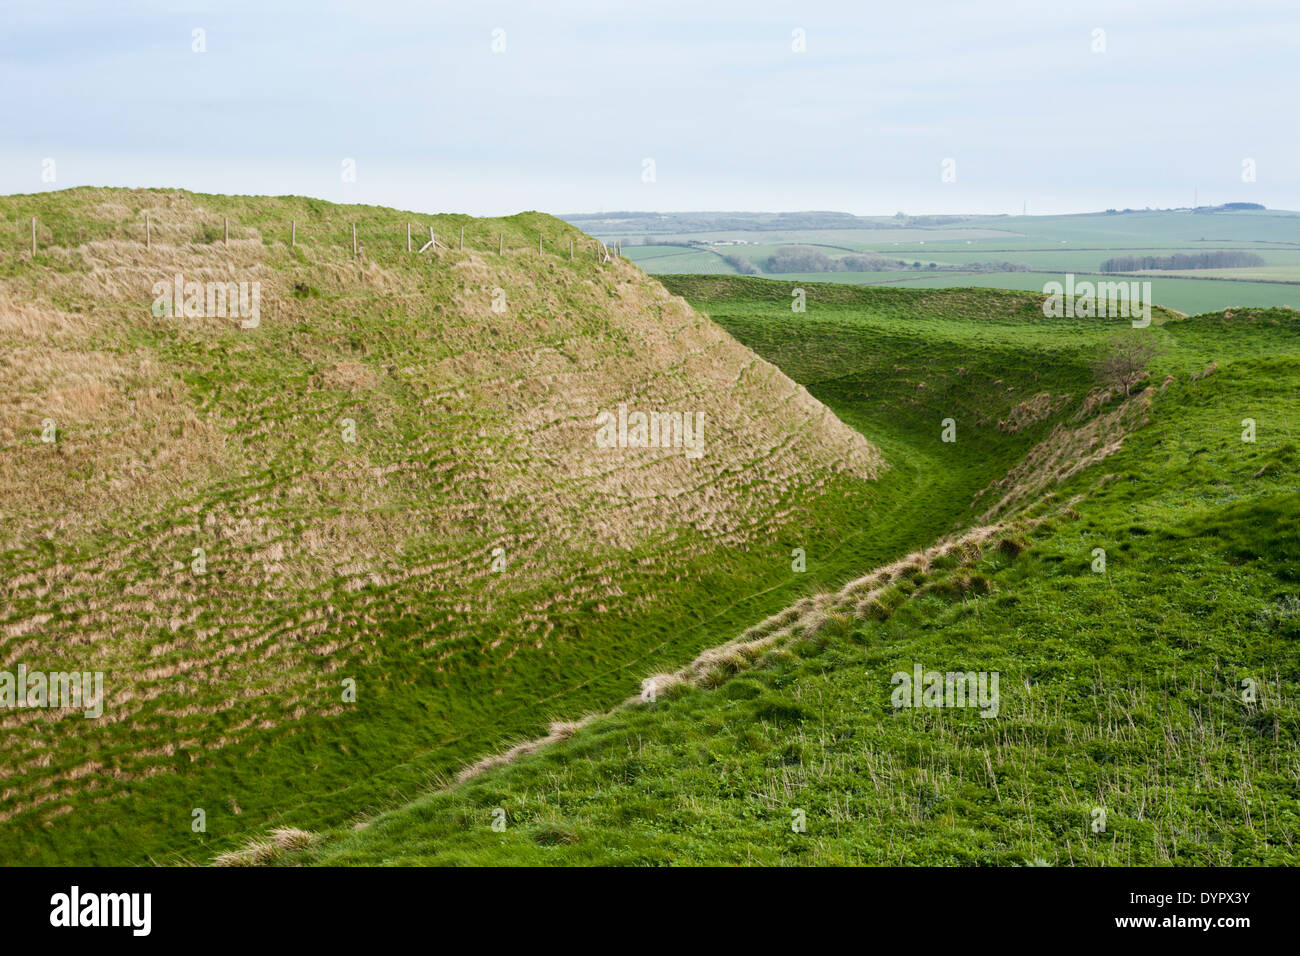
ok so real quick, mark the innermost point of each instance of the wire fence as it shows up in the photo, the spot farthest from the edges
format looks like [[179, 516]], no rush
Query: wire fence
[[603, 253]]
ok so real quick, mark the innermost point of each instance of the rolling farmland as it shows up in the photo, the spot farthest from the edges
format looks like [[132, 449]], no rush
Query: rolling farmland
[[1046, 247]]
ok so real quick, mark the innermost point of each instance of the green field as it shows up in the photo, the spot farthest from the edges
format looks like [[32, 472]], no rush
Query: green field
[[1048, 246], [1190, 296]]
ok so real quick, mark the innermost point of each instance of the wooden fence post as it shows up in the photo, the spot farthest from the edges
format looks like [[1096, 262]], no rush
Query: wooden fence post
[[408, 237], [33, 237], [354, 240], [462, 237], [570, 249], [227, 218], [293, 233], [501, 243]]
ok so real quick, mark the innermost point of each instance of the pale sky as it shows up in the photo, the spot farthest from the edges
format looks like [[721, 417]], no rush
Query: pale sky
[[564, 118]]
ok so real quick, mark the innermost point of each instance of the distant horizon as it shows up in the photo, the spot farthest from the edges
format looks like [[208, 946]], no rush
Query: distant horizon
[[1116, 210], [667, 212]]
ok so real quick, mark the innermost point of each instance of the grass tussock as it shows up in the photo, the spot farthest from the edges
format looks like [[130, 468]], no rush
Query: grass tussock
[[264, 851]]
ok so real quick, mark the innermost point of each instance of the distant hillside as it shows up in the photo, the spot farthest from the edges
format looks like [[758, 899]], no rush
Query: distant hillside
[[1218, 256], [631, 223], [622, 223]]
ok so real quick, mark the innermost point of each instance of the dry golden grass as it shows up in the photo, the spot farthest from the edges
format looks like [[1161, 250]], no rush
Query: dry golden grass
[[1066, 452], [263, 850]]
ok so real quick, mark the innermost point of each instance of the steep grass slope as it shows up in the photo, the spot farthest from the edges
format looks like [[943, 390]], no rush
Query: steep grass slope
[[324, 554], [1147, 707]]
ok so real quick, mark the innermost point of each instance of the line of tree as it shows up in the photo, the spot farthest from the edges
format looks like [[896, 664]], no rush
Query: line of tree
[[799, 259], [807, 259], [741, 265], [1223, 259]]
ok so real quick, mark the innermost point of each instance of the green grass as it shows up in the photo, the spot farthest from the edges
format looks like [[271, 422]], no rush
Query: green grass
[[1131, 675], [1121, 692], [234, 676], [676, 259], [1191, 296]]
